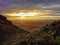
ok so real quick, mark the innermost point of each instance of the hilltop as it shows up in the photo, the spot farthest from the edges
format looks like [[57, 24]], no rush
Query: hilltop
[[9, 33]]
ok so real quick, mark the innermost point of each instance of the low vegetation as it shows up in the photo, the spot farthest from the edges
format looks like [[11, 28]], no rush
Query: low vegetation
[[47, 35]]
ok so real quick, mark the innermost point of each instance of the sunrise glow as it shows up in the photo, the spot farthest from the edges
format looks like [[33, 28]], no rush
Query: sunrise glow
[[23, 14], [26, 14]]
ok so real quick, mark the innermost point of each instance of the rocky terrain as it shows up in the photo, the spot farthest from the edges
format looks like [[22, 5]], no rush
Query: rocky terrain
[[9, 33]]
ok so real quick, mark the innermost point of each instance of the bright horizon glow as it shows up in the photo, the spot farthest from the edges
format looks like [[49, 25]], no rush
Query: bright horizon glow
[[34, 14], [26, 14], [23, 15]]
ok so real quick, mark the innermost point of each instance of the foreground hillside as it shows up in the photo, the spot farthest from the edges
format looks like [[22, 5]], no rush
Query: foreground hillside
[[9, 33], [49, 34]]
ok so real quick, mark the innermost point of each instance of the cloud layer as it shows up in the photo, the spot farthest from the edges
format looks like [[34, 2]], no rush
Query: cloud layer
[[11, 5]]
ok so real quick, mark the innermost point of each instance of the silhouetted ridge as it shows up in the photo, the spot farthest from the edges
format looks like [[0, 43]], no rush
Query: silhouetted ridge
[[49, 34], [3, 20], [2, 17], [9, 33]]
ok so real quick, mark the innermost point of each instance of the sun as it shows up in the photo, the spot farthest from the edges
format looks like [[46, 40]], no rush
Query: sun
[[29, 14], [23, 15]]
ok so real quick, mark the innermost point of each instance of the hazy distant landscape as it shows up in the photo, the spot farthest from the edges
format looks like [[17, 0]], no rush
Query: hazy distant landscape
[[31, 25]]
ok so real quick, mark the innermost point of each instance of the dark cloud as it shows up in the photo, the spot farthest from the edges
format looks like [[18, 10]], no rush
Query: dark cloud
[[10, 5]]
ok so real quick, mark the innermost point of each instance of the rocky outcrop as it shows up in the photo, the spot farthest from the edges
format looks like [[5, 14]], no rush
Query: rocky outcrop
[[9, 33]]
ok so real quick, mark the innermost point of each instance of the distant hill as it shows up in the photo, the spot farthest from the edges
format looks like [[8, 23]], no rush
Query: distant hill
[[9, 33]]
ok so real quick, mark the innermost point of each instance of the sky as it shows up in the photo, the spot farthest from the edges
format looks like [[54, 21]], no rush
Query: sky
[[7, 6]]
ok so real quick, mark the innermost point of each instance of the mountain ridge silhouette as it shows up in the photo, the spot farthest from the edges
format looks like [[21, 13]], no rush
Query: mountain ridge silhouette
[[9, 32]]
